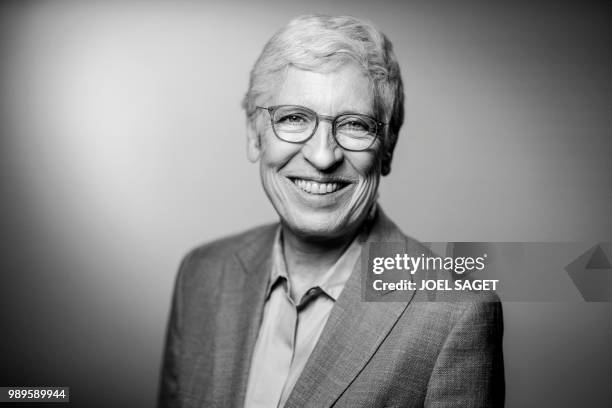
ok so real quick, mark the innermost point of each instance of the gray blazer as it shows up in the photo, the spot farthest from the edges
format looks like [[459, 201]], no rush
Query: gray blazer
[[411, 353]]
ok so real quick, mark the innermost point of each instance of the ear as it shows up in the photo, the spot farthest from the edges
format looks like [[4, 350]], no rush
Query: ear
[[253, 143], [386, 161]]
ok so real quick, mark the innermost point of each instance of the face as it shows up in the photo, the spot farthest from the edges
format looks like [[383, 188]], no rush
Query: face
[[320, 190]]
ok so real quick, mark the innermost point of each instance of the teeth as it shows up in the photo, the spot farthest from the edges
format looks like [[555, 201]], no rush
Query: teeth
[[313, 187]]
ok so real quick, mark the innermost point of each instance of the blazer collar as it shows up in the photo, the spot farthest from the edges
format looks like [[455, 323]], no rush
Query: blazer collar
[[238, 317]]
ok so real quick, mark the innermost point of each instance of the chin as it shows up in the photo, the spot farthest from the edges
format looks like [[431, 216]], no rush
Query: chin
[[321, 225]]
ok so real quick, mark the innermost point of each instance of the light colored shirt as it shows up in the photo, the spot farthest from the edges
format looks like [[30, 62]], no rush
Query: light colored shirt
[[290, 329]]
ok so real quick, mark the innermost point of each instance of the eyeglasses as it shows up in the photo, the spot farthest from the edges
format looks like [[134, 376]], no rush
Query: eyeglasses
[[296, 124]]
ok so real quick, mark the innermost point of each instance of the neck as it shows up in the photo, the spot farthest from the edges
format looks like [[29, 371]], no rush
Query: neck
[[306, 259], [312, 251]]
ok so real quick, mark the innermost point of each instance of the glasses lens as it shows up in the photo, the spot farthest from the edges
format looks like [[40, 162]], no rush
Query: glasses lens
[[293, 123], [355, 132]]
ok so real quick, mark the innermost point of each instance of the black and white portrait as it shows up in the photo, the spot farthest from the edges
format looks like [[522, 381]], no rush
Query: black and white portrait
[[193, 192]]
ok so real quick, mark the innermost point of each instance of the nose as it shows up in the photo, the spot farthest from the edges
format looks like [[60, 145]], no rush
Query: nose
[[321, 150]]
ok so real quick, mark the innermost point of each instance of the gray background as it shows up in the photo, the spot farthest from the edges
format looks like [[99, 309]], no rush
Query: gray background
[[123, 146]]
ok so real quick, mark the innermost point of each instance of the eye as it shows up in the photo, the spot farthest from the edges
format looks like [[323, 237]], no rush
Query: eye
[[292, 119], [354, 125]]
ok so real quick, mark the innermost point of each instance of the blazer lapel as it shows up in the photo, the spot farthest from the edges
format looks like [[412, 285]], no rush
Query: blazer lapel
[[238, 319], [352, 334]]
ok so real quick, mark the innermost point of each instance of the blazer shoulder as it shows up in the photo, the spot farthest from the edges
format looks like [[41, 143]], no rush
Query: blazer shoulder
[[219, 251], [232, 243], [415, 246], [385, 230]]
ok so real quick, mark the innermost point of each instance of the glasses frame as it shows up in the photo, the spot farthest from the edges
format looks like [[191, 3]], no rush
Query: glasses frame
[[332, 119]]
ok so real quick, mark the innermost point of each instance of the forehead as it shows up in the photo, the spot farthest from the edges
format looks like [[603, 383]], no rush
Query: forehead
[[345, 89]]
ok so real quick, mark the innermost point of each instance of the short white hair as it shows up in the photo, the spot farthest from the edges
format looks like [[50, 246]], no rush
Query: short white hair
[[324, 43]]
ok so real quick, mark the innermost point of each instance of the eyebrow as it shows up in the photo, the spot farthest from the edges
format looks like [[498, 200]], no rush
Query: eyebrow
[[355, 112], [342, 112]]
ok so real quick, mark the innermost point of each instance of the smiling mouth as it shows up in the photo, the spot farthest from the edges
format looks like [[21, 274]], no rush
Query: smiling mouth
[[318, 188]]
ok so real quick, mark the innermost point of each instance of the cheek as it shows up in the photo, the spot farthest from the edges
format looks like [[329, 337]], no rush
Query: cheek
[[367, 165], [276, 153]]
